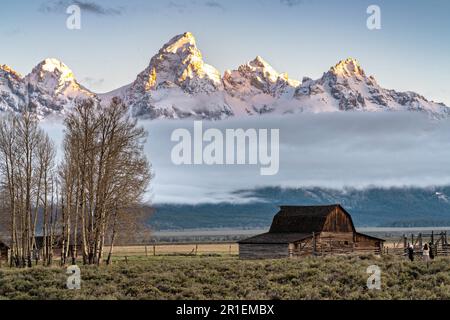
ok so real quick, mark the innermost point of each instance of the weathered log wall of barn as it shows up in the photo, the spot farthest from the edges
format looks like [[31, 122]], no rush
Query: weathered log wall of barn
[[334, 244], [338, 221], [336, 236], [366, 243], [263, 251], [3, 251]]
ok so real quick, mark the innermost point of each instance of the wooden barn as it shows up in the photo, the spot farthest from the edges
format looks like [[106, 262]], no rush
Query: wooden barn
[[4, 251], [298, 231]]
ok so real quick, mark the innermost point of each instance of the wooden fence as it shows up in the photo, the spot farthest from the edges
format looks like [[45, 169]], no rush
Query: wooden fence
[[438, 242], [325, 246], [187, 249]]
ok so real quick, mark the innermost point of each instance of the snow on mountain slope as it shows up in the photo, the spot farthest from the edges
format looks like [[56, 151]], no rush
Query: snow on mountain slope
[[345, 87], [258, 77], [53, 88], [50, 88], [257, 87], [179, 84], [12, 90]]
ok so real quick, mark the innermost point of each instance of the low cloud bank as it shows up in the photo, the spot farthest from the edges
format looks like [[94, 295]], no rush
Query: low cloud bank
[[333, 150]]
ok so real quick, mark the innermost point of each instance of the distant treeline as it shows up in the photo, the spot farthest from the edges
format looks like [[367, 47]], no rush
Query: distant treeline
[[371, 207]]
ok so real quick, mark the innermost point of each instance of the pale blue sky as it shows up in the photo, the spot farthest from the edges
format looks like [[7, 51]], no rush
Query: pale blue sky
[[301, 37]]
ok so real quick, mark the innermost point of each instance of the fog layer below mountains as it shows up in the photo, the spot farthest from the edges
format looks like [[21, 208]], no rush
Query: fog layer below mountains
[[332, 150]]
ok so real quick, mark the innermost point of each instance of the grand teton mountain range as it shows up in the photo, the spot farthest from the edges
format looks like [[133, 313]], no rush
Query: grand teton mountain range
[[178, 84]]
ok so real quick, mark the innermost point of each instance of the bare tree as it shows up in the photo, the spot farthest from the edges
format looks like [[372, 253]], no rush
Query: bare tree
[[26, 161], [92, 199], [45, 193], [104, 174]]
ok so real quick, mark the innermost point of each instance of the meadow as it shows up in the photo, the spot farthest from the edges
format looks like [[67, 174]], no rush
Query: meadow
[[227, 277]]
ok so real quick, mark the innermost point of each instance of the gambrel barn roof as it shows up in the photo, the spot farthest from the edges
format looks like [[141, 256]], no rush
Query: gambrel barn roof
[[303, 219]]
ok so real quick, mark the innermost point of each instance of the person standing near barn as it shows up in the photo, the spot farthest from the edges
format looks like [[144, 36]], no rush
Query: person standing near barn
[[410, 252], [426, 253], [431, 251]]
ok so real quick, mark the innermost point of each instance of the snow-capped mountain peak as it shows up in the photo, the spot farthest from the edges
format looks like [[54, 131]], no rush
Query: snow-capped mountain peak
[[7, 69], [259, 62], [256, 87], [178, 63], [347, 88], [259, 65], [257, 77], [12, 90], [348, 68], [177, 84], [52, 75], [52, 87], [180, 43], [54, 65], [260, 70]]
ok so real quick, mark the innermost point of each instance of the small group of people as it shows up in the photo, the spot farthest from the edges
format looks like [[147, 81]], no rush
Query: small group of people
[[427, 252]]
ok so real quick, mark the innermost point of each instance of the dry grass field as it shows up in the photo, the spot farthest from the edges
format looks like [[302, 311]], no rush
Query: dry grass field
[[227, 277], [177, 249], [231, 249]]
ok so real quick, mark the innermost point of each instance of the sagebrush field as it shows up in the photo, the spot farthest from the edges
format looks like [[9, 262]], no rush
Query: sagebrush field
[[215, 277]]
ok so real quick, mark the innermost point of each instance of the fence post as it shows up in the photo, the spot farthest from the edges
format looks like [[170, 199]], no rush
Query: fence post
[[154, 250], [314, 244], [405, 244], [420, 241], [146, 251], [446, 243]]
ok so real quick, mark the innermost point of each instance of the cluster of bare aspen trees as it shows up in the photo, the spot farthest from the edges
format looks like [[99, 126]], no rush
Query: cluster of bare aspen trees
[[28, 182], [81, 204]]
